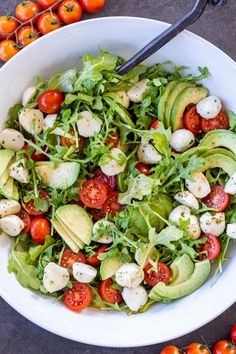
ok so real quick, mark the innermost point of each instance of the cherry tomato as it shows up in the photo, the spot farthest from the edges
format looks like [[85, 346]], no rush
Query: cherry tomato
[[30, 205], [50, 101], [154, 125], [92, 6], [97, 214], [70, 142], [217, 199], [224, 347], [108, 294], [197, 348], [48, 22], [26, 10], [211, 246], [45, 4], [39, 229], [93, 193], [111, 205], [68, 258], [25, 217], [170, 349], [7, 25], [113, 140], [219, 122], [233, 333], [93, 260], [8, 48], [109, 180], [78, 297], [152, 277], [192, 120], [70, 11], [35, 155], [143, 168], [27, 35]]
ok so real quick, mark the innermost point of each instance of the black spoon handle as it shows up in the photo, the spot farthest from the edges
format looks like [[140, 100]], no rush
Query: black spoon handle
[[158, 42]]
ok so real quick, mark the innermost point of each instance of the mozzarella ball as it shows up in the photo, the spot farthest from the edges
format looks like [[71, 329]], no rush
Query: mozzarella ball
[[135, 93], [231, 230], [148, 154], [11, 225], [123, 98], [84, 273], [187, 198], [200, 187], [55, 277], [129, 275], [213, 223], [31, 120], [230, 186], [209, 107], [87, 125], [28, 95], [11, 139], [181, 140], [9, 207], [193, 229], [49, 121], [116, 164], [181, 212], [135, 298], [106, 237], [19, 172]]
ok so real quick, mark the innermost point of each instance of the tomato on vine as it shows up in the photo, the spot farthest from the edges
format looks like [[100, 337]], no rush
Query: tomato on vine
[[26, 10], [27, 35], [45, 4], [7, 25], [70, 11], [8, 48], [48, 22]]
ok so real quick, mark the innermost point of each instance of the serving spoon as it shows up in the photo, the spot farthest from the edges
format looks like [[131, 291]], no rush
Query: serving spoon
[[188, 19]]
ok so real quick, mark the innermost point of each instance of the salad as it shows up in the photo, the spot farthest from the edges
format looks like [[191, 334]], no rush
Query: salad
[[118, 190]]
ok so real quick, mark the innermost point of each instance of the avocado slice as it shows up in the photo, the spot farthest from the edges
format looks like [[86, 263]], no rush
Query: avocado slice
[[219, 138], [77, 220], [109, 267], [71, 234], [172, 292], [7, 189], [219, 160], [15, 193], [163, 99], [181, 268], [218, 151], [5, 157], [191, 95], [64, 235], [4, 178]]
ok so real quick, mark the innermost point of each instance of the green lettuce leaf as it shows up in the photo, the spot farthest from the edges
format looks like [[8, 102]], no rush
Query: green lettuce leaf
[[36, 251], [138, 187], [166, 236], [63, 81]]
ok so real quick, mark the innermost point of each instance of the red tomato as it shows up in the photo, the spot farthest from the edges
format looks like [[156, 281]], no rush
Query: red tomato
[[45, 4], [113, 140], [78, 297], [68, 258], [7, 25], [48, 22], [109, 180], [154, 125], [97, 214], [143, 168], [35, 155], [197, 348], [70, 142], [108, 294], [233, 333], [219, 122], [192, 121], [39, 229], [70, 11], [50, 101], [162, 274], [27, 35], [92, 6], [111, 205], [211, 246], [217, 199], [26, 10], [93, 260], [224, 347], [93, 193], [8, 48], [30, 205], [25, 217], [170, 349]]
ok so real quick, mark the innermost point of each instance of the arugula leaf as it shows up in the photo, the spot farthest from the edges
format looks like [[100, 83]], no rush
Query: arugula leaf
[[12, 121], [166, 236], [36, 251], [232, 120], [138, 187], [161, 139], [63, 81]]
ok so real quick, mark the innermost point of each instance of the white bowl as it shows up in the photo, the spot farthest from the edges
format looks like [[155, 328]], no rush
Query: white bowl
[[60, 50]]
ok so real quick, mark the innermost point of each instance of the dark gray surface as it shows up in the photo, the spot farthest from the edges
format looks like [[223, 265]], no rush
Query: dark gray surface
[[18, 335]]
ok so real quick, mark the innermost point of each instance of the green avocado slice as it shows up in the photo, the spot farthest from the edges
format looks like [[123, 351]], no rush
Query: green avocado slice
[[64, 235], [219, 138], [219, 160], [163, 99], [181, 268], [5, 157], [109, 267]]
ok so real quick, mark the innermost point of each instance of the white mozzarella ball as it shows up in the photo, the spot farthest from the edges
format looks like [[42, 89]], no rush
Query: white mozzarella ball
[[188, 199], [84, 273], [19, 172], [181, 212], [105, 237], [135, 298], [200, 187], [123, 98], [9, 207], [11, 139], [181, 140], [28, 95], [87, 125], [135, 93], [148, 154], [116, 164], [213, 223], [193, 228], [129, 275], [49, 121], [209, 107], [231, 230], [11, 225], [55, 277], [230, 186], [31, 120]]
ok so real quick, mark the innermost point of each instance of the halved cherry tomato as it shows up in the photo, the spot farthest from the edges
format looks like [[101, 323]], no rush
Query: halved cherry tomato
[[197, 348], [154, 125], [26, 10], [109, 180], [35, 155], [7, 25], [48, 22], [50, 101], [39, 229], [70, 11], [97, 214], [233, 333], [45, 4], [93, 260], [25, 217], [8, 48], [70, 142], [93, 193], [192, 120], [113, 140], [143, 168], [78, 297], [68, 258], [27, 35], [217, 199], [211, 246], [111, 205], [224, 347], [108, 294], [170, 349], [152, 277], [219, 122], [92, 6], [30, 205]]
